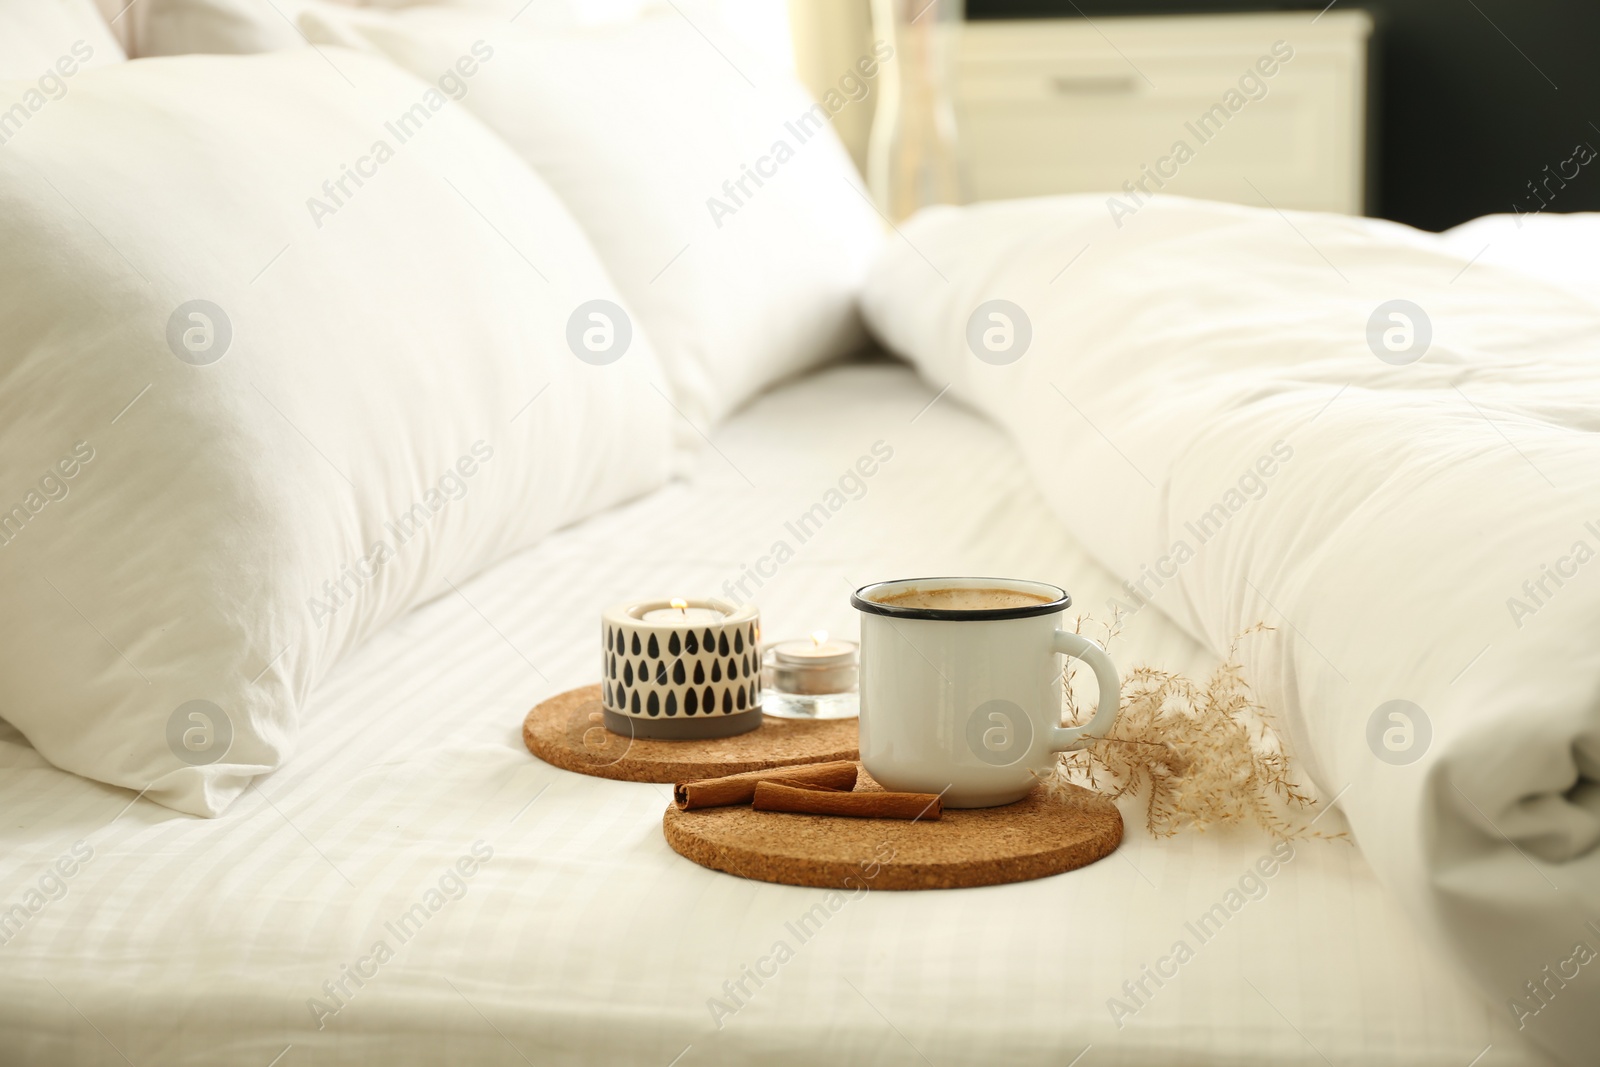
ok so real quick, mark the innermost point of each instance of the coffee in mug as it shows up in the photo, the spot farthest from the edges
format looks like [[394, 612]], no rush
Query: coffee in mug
[[956, 598], [961, 686]]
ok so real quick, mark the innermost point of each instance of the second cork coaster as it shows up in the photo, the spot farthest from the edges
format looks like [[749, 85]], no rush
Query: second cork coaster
[[567, 731], [1055, 829]]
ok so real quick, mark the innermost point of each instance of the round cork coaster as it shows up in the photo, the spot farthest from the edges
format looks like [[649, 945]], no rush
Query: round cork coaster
[[1047, 832], [567, 731]]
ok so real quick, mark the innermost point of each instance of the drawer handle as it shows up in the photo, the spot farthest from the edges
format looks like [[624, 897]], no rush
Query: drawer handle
[[1094, 85]]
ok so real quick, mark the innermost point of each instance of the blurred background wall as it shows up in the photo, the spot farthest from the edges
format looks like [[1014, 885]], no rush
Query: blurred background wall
[[1473, 98], [1475, 106]]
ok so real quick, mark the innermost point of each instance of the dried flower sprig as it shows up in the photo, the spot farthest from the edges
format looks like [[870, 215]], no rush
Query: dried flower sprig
[[1202, 754]]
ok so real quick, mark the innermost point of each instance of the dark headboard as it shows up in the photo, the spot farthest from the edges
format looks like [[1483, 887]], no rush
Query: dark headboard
[[1473, 98]]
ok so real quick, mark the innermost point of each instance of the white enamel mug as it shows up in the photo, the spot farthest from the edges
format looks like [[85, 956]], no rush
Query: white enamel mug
[[967, 703]]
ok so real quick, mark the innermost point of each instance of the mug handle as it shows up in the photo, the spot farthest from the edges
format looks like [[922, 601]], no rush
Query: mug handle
[[1066, 739]]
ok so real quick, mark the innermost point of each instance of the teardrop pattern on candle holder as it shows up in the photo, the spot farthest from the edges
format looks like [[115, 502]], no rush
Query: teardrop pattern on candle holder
[[697, 673]]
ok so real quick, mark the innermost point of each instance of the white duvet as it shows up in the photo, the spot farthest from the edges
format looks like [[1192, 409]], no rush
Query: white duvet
[[1226, 405]]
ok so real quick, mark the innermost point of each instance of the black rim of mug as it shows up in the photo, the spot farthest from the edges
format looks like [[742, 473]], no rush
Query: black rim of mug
[[861, 602]]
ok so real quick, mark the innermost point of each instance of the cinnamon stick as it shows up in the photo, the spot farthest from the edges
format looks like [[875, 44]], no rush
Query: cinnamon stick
[[777, 796], [741, 788]]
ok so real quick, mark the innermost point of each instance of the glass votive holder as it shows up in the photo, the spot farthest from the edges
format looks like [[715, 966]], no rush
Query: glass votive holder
[[811, 678]]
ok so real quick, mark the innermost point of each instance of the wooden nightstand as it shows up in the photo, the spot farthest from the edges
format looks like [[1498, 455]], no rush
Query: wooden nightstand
[[1073, 105]]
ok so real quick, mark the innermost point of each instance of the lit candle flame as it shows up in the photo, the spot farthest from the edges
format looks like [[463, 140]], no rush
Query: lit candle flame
[[818, 637], [681, 604]]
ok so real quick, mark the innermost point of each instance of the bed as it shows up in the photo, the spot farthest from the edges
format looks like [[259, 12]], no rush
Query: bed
[[580, 937], [321, 455]]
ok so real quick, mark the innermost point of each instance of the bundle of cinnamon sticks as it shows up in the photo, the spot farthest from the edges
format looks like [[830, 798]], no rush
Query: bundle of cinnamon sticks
[[808, 789]]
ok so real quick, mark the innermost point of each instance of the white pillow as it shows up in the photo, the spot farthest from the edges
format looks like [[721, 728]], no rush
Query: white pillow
[[226, 27], [646, 130], [241, 27], [49, 41], [283, 378], [1333, 426]]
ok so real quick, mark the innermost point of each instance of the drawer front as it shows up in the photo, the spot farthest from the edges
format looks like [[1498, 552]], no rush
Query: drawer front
[[1055, 107]]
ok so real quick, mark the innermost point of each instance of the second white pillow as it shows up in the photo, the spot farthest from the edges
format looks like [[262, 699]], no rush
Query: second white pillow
[[715, 191]]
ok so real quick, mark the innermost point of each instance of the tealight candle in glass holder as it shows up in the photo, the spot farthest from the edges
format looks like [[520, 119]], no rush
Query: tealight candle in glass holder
[[811, 678]]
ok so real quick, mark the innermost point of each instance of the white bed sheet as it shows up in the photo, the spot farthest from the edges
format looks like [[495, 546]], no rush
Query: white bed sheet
[[585, 939]]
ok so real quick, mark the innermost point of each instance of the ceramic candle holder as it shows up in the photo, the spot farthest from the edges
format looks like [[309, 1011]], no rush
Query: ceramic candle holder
[[681, 669]]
